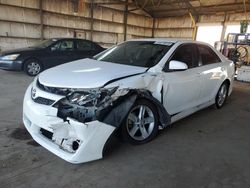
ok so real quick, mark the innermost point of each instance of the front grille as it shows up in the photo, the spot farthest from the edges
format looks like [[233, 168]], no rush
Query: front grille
[[54, 90], [46, 133], [44, 101]]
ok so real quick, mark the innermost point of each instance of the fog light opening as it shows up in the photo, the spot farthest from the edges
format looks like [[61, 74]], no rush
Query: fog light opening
[[75, 145]]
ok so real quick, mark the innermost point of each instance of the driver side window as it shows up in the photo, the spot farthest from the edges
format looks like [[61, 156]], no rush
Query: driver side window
[[187, 54], [65, 45]]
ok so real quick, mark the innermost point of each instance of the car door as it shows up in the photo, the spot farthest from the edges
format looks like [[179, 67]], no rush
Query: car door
[[212, 71], [181, 89], [60, 52], [85, 49]]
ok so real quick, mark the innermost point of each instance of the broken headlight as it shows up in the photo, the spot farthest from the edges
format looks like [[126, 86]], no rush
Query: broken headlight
[[91, 98], [86, 105]]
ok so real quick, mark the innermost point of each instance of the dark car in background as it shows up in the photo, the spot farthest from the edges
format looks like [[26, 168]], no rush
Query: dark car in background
[[47, 54]]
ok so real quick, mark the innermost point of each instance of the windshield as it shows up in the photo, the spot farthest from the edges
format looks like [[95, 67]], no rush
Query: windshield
[[45, 43], [136, 53]]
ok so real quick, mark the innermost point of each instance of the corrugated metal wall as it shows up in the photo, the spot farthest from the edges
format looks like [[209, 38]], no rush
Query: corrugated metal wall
[[20, 23], [174, 27], [181, 27]]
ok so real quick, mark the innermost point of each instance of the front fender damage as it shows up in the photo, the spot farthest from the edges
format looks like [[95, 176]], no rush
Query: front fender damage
[[110, 110], [114, 111]]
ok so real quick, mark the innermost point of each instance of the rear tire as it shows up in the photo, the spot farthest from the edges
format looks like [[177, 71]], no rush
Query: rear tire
[[221, 96], [32, 67], [141, 124]]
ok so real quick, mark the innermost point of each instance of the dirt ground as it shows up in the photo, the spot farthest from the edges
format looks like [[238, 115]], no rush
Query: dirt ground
[[210, 149]]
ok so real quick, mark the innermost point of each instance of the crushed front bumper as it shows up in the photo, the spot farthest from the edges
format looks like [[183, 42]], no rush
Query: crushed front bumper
[[90, 137]]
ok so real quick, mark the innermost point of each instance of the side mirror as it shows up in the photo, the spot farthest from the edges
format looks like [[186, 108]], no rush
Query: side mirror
[[177, 65]]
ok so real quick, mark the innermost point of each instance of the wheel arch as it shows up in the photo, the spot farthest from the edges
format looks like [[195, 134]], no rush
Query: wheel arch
[[218, 103], [228, 82], [120, 110], [163, 115], [30, 58], [216, 89]]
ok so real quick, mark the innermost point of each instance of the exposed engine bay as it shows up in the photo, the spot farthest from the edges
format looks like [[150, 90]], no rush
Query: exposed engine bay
[[86, 106]]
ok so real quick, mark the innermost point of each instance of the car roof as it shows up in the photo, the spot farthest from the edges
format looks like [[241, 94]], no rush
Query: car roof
[[68, 38], [172, 40]]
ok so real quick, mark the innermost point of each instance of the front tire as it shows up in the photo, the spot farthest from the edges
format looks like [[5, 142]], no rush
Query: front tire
[[141, 124], [32, 67], [221, 96]]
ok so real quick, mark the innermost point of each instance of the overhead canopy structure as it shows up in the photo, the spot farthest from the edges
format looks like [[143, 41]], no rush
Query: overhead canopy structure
[[171, 8]]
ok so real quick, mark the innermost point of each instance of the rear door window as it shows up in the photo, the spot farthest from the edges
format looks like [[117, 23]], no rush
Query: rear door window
[[207, 55], [82, 45]]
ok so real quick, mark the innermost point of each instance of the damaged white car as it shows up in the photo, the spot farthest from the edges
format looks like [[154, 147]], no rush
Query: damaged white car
[[138, 87]]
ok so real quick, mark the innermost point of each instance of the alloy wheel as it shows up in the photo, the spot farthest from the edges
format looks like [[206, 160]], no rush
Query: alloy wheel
[[33, 68], [140, 123]]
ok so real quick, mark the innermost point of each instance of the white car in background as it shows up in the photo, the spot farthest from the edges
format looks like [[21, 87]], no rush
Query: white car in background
[[136, 87]]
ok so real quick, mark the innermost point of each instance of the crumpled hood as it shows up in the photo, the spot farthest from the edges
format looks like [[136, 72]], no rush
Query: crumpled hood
[[86, 73]]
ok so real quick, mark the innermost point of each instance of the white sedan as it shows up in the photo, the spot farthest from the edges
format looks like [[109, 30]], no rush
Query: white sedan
[[137, 87]]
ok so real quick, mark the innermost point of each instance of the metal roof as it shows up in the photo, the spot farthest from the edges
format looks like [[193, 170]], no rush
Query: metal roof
[[168, 8], [172, 8]]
